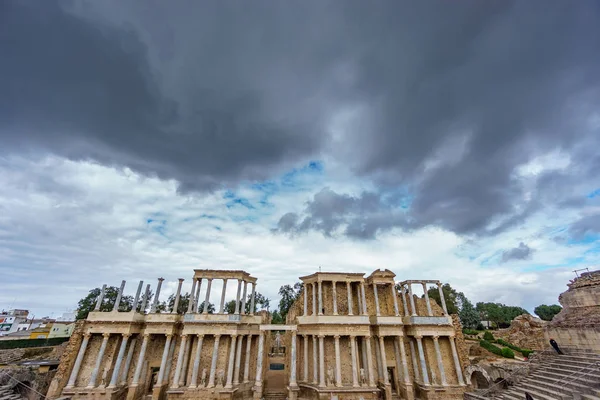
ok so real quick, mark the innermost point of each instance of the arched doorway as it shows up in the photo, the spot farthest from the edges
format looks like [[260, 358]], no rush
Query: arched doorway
[[478, 380]]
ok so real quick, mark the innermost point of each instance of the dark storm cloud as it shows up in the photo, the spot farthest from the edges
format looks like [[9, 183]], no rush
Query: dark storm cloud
[[522, 252], [451, 96]]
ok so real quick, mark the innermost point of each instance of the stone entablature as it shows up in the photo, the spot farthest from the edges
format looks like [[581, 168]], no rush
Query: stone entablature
[[347, 335]]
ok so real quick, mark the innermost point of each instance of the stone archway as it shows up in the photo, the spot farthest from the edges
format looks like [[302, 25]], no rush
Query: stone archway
[[477, 377]]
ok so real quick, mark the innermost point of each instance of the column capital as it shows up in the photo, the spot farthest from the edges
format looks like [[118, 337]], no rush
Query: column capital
[[225, 279], [418, 336], [321, 336], [106, 334], [436, 337], [180, 279], [304, 335], [169, 335], [367, 337], [234, 335], [87, 335], [249, 335], [352, 336], [217, 336], [184, 335], [208, 279], [146, 335], [337, 337], [200, 335], [161, 279], [126, 335]]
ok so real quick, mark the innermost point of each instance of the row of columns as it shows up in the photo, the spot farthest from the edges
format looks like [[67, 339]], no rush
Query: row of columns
[[240, 307], [117, 376], [233, 366], [421, 373], [406, 288], [318, 287], [420, 366]]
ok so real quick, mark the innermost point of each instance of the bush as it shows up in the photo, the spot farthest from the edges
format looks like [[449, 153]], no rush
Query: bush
[[480, 327], [24, 343], [507, 353], [525, 352], [470, 331], [487, 335], [490, 347]]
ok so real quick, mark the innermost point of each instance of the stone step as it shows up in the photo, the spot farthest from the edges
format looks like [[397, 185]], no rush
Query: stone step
[[538, 392], [546, 389], [557, 375], [589, 397], [560, 387], [567, 366]]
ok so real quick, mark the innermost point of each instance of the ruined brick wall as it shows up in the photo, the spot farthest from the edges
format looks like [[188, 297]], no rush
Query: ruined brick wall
[[67, 360]]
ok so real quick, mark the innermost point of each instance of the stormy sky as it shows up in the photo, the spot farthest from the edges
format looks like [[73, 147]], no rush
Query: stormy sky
[[451, 140]]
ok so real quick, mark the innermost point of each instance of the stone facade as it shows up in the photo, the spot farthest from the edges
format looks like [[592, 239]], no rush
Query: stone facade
[[578, 324], [525, 331], [346, 336]]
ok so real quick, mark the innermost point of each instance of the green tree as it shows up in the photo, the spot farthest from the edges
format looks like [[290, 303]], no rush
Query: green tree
[[259, 301], [277, 318], [469, 317], [547, 312], [211, 307], [288, 295], [184, 301], [449, 295], [88, 303], [230, 307], [499, 314]]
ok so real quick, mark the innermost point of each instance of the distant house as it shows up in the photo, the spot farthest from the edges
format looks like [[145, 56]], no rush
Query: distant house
[[61, 329], [11, 320]]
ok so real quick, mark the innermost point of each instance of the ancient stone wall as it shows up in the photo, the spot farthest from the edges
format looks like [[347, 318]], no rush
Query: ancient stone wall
[[525, 331], [67, 360]]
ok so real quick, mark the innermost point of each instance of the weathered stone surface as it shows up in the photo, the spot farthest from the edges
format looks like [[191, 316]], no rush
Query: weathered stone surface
[[525, 331]]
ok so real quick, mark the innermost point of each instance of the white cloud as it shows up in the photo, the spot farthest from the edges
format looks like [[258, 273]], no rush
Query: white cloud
[[67, 227]]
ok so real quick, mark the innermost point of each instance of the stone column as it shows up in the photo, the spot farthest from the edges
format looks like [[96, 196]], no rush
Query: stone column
[[293, 361], [442, 298], [305, 359], [363, 353], [128, 361], [377, 310], [78, 360], [314, 298], [137, 296], [119, 295], [259, 361], [459, 374], [213, 363], [320, 285], [196, 367], [438, 356], [395, 297], [145, 301], [140, 362], [404, 301], [244, 294], [305, 300], [99, 359], [398, 363], [197, 296], [230, 364], [170, 360], [238, 361], [237, 297], [100, 298], [222, 306], [364, 298], [359, 301], [247, 359], [349, 292], [338, 362], [315, 362], [163, 362], [180, 357], [378, 360], [412, 300], [333, 285], [186, 361], [177, 296], [413, 355], [429, 312], [370, 361], [252, 295], [422, 359], [207, 298], [117, 369], [192, 296], [156, 295], [405, 374], [353, 355], [321, 360]]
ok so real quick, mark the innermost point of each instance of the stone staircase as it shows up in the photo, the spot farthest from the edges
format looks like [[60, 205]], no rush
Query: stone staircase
[[575, 375], [276, 395], [6, 393]]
